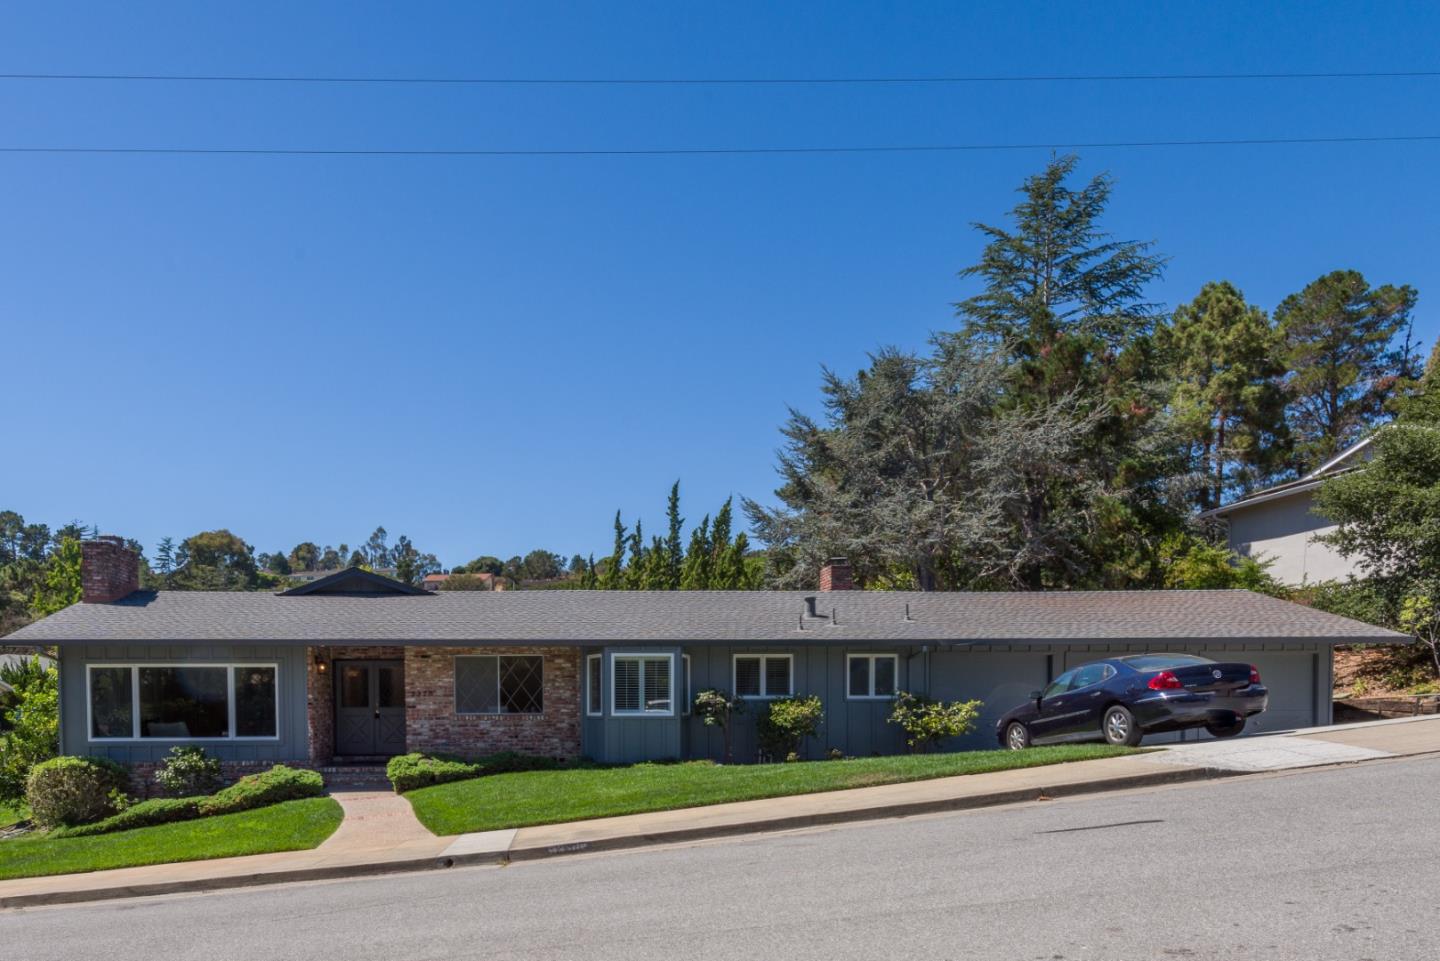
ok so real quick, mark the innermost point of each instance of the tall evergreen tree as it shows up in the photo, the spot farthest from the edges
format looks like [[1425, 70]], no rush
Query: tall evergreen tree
[[674, 546], [1344, 363], [1223, 357], [695, 572], [613, 577]]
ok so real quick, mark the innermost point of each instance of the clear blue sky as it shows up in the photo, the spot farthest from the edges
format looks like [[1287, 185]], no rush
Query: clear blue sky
[[491, 355]]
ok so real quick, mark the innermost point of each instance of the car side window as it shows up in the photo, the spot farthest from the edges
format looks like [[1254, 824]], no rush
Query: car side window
[[1091, 674], [1060, 685]]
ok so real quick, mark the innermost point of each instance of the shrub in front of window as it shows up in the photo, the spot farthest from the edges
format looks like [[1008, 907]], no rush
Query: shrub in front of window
[[278, 784], [274, 786], [717, 709], [32, 716], [783, 728], [74, 790], [928, 722], [188, 771]]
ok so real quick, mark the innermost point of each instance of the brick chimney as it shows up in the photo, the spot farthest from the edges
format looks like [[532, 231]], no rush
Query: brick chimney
[[835, 575], [108, 570]]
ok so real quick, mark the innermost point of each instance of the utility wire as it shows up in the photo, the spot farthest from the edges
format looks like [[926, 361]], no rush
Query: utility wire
[[721, 81], [707, 151]]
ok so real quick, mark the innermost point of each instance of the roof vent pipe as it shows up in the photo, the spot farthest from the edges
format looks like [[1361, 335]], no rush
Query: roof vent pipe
[[810, 606]]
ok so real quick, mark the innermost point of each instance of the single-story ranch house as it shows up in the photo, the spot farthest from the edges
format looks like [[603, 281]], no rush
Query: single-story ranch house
[[356, 666]]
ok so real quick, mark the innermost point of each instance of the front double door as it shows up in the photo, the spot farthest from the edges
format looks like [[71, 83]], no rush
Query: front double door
[[369, 708]]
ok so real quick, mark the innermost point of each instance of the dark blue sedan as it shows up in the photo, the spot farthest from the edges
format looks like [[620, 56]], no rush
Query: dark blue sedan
[[1122, 699]]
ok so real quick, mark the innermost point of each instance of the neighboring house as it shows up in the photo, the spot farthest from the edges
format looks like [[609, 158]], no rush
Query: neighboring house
[[435, 582], [1279, 524], [358, 666]]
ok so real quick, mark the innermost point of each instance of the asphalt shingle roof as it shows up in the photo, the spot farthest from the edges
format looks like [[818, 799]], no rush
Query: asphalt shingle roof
[[581, 617]]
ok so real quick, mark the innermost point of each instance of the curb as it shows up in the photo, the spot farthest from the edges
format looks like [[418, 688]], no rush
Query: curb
[[620, 843], [885, 812]]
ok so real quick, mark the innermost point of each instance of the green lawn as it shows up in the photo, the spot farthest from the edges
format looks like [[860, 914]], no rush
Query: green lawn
[[550, 797], [291, 826]]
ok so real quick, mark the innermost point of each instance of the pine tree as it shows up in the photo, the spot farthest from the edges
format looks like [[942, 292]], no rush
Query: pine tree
[[1343, 361], [1224, 358], [635, 569]]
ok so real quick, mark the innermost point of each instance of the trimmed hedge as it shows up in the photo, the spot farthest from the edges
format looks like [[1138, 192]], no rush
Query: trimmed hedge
[[278, 784], [410, 771], [64, 791]]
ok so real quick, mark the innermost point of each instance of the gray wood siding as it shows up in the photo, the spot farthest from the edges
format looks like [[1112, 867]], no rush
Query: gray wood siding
[[293, 741], [857, 727]]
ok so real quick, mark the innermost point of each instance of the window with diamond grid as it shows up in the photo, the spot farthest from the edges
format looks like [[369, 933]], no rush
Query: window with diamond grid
[[499, 684]]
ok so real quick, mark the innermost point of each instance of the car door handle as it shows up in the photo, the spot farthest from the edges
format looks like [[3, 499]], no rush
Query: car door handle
[[1096, 693], [377, 713]]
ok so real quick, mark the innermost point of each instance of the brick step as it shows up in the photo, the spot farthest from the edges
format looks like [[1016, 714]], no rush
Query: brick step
[[354, 775]]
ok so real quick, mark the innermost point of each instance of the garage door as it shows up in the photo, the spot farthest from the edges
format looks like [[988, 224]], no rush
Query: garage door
[[1290, 676], [1001, 679]]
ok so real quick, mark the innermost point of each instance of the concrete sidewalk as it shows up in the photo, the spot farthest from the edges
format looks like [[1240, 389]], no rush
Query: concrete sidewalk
[[380, 835]]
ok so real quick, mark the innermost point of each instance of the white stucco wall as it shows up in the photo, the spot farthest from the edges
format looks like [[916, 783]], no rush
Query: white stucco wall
[[1283, 530]]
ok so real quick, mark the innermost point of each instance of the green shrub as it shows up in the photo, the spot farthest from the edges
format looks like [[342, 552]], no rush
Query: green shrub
[[782, 729], [64, 791], [30, 720], [410, 771], [927, 722], [188, 772], [142, 815], [280, 783]]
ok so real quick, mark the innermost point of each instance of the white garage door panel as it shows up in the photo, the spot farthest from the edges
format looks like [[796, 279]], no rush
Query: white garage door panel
[[1001, 679]]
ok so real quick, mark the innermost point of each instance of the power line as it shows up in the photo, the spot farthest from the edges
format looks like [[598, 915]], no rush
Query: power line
[[723, 81], [707, 151]]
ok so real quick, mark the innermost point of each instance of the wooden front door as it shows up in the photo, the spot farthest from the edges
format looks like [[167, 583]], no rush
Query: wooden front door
[[369, 708]]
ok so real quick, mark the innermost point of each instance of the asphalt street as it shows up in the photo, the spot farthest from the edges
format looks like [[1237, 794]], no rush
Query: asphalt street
[[1328, 865]]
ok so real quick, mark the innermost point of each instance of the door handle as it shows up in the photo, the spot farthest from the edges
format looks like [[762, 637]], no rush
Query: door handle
[[377, 713]]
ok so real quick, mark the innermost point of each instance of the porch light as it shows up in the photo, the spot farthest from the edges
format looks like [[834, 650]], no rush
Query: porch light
[[321, 665]]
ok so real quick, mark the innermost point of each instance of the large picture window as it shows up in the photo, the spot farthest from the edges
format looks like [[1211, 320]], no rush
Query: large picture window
[[183, 702], [641, 684], [764, 675], [499, 684]]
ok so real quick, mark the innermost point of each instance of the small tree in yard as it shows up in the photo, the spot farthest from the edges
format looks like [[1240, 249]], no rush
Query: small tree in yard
[[928, 722], [716, 709], [33, 722], [783, 729]]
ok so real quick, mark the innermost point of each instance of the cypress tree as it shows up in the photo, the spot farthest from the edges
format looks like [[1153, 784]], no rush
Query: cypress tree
[[674, 549], [695, 573], [611, 581]]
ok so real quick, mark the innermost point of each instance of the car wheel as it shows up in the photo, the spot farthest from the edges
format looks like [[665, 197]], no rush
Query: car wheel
[[1226, 730], [1119, 727], [1017, 736]]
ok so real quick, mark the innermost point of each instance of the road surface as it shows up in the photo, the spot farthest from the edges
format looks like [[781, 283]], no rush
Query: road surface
[[1327, 865]]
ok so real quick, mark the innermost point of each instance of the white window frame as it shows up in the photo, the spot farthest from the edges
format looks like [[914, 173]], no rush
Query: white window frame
[[136, 666], [765, 692], [455, 685], [871, 658], [590, 678], [642, 656], [685, 679]]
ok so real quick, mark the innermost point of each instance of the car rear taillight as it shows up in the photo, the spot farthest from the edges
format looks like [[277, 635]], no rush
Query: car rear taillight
[[1165, 681], [1254, 675]]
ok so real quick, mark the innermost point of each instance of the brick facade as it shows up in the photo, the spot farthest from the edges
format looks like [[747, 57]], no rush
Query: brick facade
[[431, 723]]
